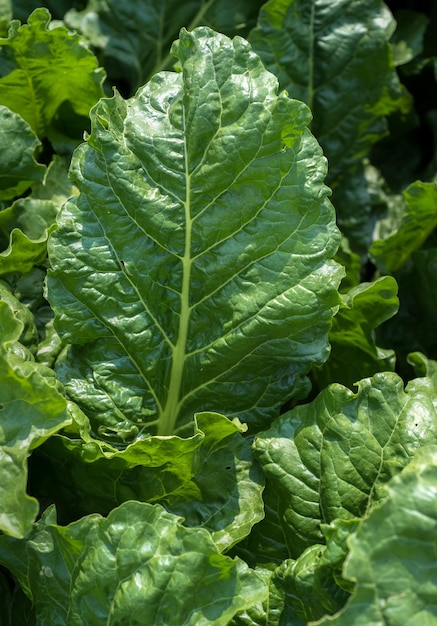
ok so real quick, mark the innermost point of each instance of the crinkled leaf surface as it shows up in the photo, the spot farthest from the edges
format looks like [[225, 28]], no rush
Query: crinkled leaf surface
[[210, 479], [362, 309], [193, 272], [419, 219], [330, 458], [138, 566], [18, 166], [133, 39], [336, 57], [392, 556], [31, 410], [50, 78]]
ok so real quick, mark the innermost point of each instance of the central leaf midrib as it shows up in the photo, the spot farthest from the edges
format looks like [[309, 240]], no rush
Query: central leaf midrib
[[167, 420]]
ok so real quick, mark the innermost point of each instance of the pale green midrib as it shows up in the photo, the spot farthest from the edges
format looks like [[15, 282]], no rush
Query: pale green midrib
[[167, 420]]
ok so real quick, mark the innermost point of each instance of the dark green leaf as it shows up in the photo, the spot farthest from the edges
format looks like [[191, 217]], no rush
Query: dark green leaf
[[133, 39], [336, 57]]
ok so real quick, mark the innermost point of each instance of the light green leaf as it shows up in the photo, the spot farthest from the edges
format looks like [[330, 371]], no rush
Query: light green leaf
[[31, 410], [50, 78], [27, 245], [25, 226], [18, 166], [354, 353], [138, 566], [336, 57], [133, 38], [423, 366], [392, 250], [194, 271], [330, 458], [392, 556]]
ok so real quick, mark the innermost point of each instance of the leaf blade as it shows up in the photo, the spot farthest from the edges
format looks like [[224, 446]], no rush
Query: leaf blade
[[214, 176]]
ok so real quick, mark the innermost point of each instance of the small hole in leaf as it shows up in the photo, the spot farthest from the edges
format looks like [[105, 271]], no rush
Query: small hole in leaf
[[227, 468]]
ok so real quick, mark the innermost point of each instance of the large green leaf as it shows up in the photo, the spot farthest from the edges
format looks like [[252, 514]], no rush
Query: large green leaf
[[50, 78], [336, 57], [392, 556], [193, 272], [138, 566], [210, 479], [132, 39], [31, 410], [18, 167], [330, 458]]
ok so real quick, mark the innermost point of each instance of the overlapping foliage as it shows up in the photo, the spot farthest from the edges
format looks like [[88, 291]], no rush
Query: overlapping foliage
[[218, 399]]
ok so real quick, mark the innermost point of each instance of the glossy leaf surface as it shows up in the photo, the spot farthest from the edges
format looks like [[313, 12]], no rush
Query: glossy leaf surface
[[31, 410], [210, 479], [392, 556], [194, 271], [330, 458], [138, 566]]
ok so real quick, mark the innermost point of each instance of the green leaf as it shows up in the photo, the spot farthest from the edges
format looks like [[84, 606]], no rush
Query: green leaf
[[210, 479], [133, 39], [140, 565], [18, 167], [194, 271], [25, 226], [330, 458], [408, 39], [336, 57], [27, 245], [50, 78], [407, 233], [310, 583], [354, 353], [423, 366], [392, 555], [31, 410]]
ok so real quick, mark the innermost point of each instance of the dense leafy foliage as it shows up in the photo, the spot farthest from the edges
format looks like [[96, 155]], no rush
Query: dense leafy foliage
[[218, 348]]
